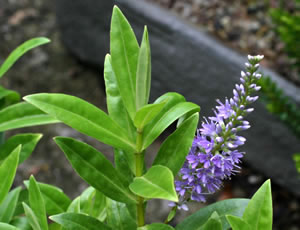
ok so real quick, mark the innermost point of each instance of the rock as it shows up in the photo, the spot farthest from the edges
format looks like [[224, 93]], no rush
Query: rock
[[192, 63]]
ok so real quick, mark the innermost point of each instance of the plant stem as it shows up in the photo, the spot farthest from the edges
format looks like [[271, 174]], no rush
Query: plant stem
[[139, 162]]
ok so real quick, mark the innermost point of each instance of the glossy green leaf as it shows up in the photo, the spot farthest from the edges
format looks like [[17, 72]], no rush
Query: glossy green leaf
[[37, 203], [158, 183], [258, 213], [74, 206], [8, 206], [226, 207], [156, 226], [23, 115], [213, 223], [84, 117], [8, 97], [8, 170], [93, 203], [98, 208], [23, 197], [76, 221], [21, 222], [115, 105], [171, 214], [125, 164], [55, 226], [237, 223], [86, 195], [5, 226], [168, 116], [2, 138], [55, 199], [19, 51], [32, 218], [28, 142], [95, 169], [146, 114], [124, 51], [118, 216], [143, 75], [174, 149]]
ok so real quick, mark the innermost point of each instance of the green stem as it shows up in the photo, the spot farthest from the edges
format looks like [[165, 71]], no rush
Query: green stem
[[139, 162]]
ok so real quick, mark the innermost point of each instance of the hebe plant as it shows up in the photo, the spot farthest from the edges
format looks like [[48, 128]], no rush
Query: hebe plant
[[287, 26], [118, 194]]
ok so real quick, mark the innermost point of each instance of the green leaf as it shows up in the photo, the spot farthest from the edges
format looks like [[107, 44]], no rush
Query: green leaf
[[258, 213], [21, 222], [28, 142], [85, 196], [232, 206], [158, 183], [122, 164], [98, 208], [156, 127], [118, 216], [174, 149], [55, 199], [156, 226], [213, 223], [2, 138], [8, 206], [143, 75], [4, 226], [23, 197], [115, 105], [93, 203], [171, 214], [74, 206], [8, 97], [237, 223], [33, 220], [84, 117], [146, 114], [23, 115], [95, 169], [76, 221], [55, 226], [296, 158], [124, 51], [37, 203], [19, 51], [8, 170]]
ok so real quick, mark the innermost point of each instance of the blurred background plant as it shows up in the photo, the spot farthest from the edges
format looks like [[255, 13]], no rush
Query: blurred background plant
[[280, 105], [287, 25]]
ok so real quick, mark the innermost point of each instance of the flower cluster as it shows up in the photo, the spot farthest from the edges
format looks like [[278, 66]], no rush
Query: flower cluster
[[214, 155]]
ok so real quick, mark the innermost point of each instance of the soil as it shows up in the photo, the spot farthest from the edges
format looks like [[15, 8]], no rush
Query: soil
[[51, 68]]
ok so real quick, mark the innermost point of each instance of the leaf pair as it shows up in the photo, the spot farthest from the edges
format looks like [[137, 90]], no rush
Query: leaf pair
[[258, 213], [131, 64], [241, 214], [36, 212]]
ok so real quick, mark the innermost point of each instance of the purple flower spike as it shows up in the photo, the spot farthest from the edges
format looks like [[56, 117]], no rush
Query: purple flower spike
[[213, 156]]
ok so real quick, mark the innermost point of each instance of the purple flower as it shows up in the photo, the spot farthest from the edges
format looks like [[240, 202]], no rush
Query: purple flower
[[213, 156]]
